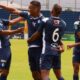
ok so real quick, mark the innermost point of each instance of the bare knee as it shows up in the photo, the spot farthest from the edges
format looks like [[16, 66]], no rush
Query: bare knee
[[36, 75], [45, 74]]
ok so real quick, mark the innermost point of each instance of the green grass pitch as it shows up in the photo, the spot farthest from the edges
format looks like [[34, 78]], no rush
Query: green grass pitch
[[20, 67]]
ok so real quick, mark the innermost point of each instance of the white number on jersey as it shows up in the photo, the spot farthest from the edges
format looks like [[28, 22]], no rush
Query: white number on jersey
[[55, 36]]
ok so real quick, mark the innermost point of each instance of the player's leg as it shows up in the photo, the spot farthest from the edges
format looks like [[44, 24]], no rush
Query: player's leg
[[5, 60], [45, 65], [38, 55], [76, 63], [76, 71], [57, 67], [34, 57], [36, 75], [45, 74], [58, 74]]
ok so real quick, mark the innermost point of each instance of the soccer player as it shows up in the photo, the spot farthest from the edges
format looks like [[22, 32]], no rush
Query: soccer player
[[5, 51], [34, 18], [53, 30], [76, 51]]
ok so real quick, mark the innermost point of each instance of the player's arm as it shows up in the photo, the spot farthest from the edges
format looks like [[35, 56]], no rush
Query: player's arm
[[10, 9], [23, 14], [73, 45], [16, 20], [61, 47], [10, 32], [11, 22], [37, 34], [34, 37], [69, 46]]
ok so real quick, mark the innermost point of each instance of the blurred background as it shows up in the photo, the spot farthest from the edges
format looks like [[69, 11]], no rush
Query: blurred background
[[73, 5], [70, 13], [20, 66]]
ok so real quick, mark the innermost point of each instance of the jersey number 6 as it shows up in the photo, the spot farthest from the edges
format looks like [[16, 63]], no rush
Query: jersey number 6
[[55, 36]]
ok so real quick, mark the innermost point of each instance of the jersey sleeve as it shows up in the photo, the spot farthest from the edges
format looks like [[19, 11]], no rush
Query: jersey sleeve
[[63, 28], [5, 22], [77, 26], [24, 14], [43, 25], [40, 29]]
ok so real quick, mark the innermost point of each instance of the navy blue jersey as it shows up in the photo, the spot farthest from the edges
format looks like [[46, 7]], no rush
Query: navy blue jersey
[[53, 30], [4, 40], [33, 24], [77, 38]]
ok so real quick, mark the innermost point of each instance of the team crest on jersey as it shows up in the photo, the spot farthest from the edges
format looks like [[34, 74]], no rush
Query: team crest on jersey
[[34, 24], [39, 21]]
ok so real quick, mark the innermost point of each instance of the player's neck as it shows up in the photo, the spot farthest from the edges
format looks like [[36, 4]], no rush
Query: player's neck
[[37, 15], [55, 15]]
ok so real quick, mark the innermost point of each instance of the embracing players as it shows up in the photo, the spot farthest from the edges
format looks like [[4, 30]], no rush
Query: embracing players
[[53, 30], [76, 51], [34, 19], [5, 51]]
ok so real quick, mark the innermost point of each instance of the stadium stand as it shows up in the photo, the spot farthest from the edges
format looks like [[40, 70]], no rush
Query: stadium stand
[[69, 17]]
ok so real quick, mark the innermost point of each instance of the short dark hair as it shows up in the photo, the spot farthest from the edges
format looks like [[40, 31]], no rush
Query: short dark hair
[[57, 8], [36, 3]]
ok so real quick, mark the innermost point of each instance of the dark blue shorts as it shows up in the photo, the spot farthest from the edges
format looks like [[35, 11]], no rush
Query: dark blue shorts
[[5, 58], [50, 61], [76, 56], [34, 58]]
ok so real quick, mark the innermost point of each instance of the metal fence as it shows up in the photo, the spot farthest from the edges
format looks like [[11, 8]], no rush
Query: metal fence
[[73, 5]]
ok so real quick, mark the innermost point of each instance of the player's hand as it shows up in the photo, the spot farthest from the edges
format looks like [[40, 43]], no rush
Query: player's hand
[[69, 46], [61, 49], [28, 41], [20, 30]]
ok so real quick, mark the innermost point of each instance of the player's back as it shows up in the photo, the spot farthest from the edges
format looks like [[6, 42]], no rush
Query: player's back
[[54, 30]]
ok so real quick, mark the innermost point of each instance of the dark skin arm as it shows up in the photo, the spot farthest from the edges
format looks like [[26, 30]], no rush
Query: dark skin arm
[[61, 47], [10, 9], [34, 37], [37, 35], [75, 44], [13, 11], [16, 20], [72, 45], [10, 32]]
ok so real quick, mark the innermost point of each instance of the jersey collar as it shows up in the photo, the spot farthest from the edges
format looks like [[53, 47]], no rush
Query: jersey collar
[[55, 17], [36, 17]]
